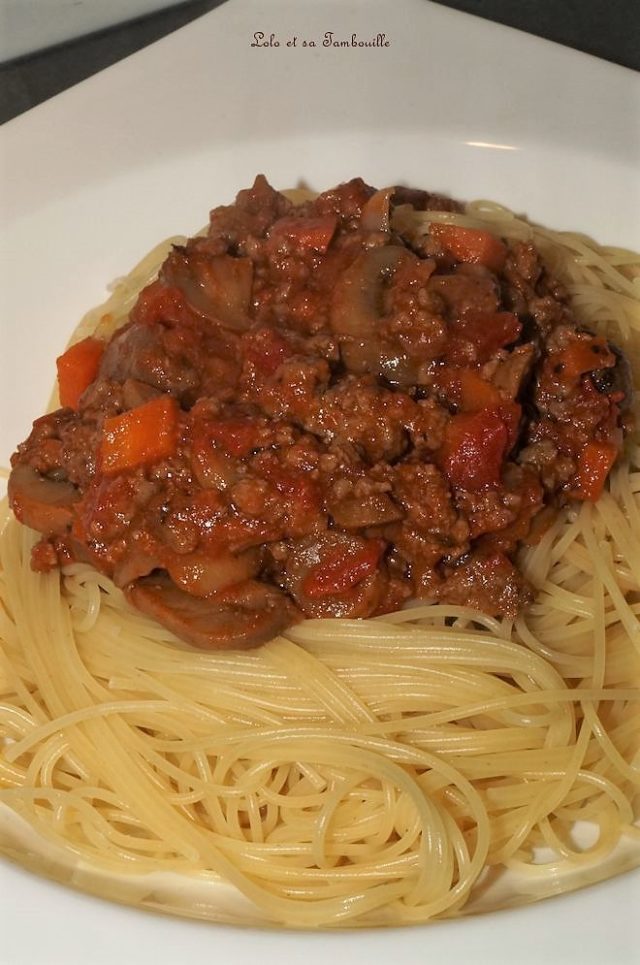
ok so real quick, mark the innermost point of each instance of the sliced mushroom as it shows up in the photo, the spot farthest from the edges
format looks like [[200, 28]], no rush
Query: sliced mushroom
[[203, 573], [356, 312], [336, 575], [355, 512], [135, 393], [138, 356], [511, 372], [375, 213], [216, 287], [423, 200], [45, 505], [212, 468], [239, 618], [136, 563]]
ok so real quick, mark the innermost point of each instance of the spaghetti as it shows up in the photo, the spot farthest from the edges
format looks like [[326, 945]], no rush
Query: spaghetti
[[382, 771]]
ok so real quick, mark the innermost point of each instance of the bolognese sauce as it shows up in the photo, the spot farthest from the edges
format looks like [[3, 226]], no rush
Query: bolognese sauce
[[316, 411]]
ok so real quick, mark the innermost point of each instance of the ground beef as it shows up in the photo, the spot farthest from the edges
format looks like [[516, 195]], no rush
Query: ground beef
[[313, 412]]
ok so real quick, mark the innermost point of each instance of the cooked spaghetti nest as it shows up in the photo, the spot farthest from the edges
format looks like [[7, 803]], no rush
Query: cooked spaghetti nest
[[425, 764]]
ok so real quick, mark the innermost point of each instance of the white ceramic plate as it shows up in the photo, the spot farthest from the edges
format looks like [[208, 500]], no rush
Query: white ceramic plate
[[25, 29], [97, 176]]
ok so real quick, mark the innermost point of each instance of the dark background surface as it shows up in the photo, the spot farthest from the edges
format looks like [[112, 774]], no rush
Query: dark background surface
[[605, 28]]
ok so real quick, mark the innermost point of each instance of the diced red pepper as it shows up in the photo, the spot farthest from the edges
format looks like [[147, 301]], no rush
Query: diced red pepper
[[314, 234], [340, 571], [594, 464], [140, 436], [474, 448], [471, 245], [77, 369]]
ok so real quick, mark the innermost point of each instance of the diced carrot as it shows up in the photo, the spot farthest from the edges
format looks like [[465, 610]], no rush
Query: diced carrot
[[594, 463], [468, 390], [478, 394], [77, 369], [471, 245], [585, 355], [474, 448], [342, 571], [312, 233], [140, 436]]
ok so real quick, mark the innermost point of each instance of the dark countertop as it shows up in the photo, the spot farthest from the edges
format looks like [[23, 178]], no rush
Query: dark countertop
[[609, 29]]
